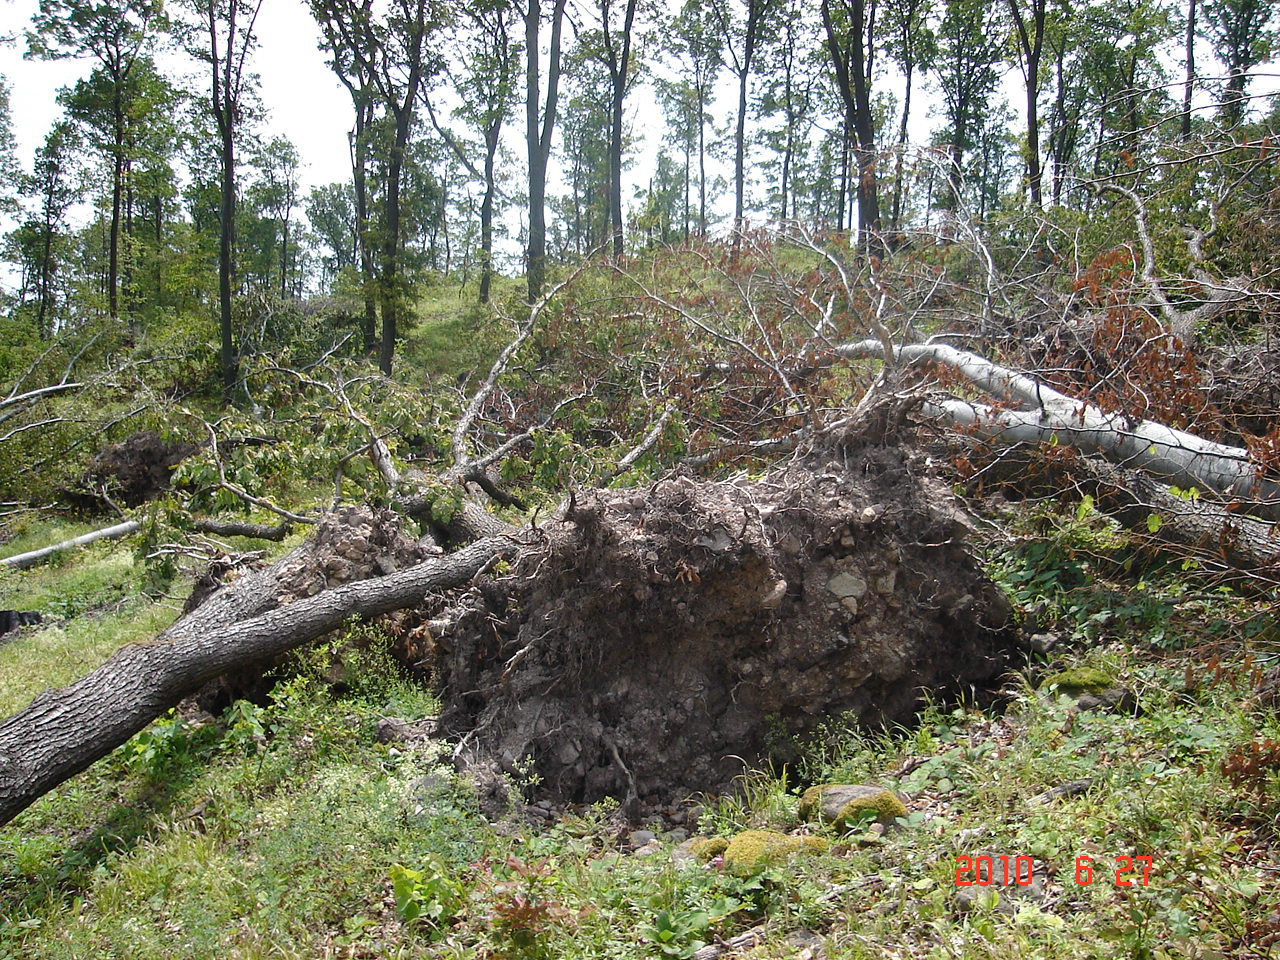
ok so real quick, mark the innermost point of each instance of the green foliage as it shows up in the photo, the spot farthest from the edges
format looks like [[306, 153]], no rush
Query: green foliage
[[427, 896]]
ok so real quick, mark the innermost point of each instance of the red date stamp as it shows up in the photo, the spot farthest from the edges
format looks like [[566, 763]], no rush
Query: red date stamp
[[1020, 871]]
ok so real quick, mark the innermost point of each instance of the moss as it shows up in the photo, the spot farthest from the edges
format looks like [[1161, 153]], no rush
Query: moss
[[753, 850], [843, 804], [706, 848], [1078, 680]]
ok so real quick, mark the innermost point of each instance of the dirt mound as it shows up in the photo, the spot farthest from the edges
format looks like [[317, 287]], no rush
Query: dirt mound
[[134, 470], [655, 640]]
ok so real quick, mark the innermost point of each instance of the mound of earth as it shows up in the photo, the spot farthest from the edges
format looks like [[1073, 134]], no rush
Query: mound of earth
[[135, 470], [651, 642]]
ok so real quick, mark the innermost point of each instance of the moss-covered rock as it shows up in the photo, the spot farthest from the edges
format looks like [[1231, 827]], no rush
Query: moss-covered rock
[[753, 850], [1077, 681], [845, 803], [707, 848]]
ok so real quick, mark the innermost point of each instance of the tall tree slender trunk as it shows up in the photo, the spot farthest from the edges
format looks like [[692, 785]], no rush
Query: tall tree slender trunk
[[740, 147], [364, 248], [895, 208], [1031, 44], [491, 137], [540, 120], [117, 196], [619, 64], [390, 294], [225, 108], [853, 78], [1191, 69], [226, 257], [702, 161]]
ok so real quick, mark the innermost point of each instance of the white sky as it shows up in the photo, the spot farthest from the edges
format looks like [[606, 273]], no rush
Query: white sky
[[308, 105], [318, 112]]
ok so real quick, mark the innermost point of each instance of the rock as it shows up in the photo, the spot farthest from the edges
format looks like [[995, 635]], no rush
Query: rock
[[847, 585], [773, 599], [1111, 700], [648, 850], [678, 835], [753, 850], [1072, 789], [1077, 681], [638, 838], [843, 804], [705, 848], [1003, 899], [395, 730], [810, 945], [11, 620], [1041, 642], [969, 899]]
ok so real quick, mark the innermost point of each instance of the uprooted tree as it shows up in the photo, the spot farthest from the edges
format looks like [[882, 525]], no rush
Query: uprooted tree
[[642, 641]]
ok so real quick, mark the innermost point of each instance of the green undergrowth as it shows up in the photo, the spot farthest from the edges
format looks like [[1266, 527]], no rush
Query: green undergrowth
[[288, 830]]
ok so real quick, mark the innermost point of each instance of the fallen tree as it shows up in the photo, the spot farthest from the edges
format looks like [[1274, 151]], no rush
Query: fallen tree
[[640, 640], [20, 561], [261, 616], [1043, 415], [643, 637]]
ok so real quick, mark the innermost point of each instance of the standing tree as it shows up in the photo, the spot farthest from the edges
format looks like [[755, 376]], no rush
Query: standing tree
[[790, 94], [8, 159], [584, 213], [486, 89], [54, 187], [331, 213], [612, 43], [137, 148], [355, 73], [850, 28], [910, 41], [970, 49], [118, 35], [698, 47], [1243, 36], [276, 196], [223, 38], [388, 51], [1029, 17], [744, 26], [1188, 88], [540, 123]]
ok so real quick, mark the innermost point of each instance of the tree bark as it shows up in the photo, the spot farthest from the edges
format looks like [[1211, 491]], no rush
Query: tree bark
[[538, 132], [20, 561], [1049, 416], [65, 731]]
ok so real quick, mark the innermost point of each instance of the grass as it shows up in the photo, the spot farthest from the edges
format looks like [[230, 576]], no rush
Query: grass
[[289, 831], [452, 335]]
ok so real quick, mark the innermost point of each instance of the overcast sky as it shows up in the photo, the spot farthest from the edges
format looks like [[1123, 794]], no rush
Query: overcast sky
[[308, 105], [292, 69]]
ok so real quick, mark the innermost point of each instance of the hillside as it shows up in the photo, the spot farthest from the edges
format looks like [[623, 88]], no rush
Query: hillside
[[1129, 735]]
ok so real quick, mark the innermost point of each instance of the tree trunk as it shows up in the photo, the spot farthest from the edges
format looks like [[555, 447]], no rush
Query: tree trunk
[[538, 132], [65, 731], [1049, 416], [20, 561], [389, 275], [1189, 86], [491, 135]]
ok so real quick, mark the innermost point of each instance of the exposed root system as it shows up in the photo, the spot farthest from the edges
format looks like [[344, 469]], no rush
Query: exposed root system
[[652, 641]]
